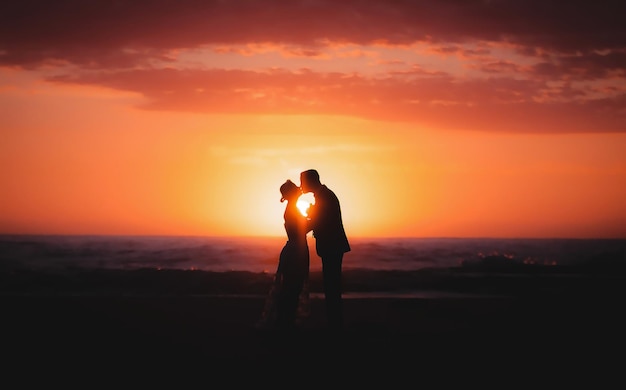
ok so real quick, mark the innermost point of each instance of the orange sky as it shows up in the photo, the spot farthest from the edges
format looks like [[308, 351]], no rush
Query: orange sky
[[487, 119]]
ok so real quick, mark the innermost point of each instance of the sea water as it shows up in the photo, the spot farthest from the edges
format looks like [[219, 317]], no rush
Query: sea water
[[238, 266], [260, 254]]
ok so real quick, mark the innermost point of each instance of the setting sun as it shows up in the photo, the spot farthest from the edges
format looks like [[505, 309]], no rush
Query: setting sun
[[304, 202]]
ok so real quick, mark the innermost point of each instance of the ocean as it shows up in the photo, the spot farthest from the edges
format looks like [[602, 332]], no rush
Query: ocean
[[260, 254], [374, 266]]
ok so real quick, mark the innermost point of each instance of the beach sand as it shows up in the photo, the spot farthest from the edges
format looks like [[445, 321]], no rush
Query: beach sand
[[149, 336], [112, 333]]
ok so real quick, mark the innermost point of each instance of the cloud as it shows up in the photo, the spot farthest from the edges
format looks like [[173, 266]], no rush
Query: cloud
[[97, 32], [563, 67], [439, 101]]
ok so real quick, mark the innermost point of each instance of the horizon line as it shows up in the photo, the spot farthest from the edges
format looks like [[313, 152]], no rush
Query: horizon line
[[360, 237]]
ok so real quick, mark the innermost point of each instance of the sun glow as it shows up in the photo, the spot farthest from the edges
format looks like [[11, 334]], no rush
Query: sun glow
[[303, 205], [304, 202]]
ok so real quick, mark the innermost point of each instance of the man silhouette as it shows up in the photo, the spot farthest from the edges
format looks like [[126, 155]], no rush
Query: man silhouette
[[330, 242]]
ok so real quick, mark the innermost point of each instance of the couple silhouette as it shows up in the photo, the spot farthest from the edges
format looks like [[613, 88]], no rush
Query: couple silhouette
[[287, 301]]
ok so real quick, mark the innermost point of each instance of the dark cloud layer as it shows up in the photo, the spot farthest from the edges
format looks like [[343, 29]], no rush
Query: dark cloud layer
[[96, 31], [570, 42]]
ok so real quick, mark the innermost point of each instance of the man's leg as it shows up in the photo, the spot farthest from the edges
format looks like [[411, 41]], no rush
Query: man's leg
[[331, 269]]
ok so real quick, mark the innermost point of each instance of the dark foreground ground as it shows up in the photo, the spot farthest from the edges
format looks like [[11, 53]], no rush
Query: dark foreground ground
[[550, 336], [156, 335]]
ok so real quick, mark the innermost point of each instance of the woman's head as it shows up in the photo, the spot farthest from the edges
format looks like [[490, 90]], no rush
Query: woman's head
[[289, 190]]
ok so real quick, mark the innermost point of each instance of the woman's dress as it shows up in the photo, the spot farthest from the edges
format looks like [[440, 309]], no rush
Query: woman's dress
[[288, 299]]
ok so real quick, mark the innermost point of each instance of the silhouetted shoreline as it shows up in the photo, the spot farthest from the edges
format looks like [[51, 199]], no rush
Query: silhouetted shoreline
[[489, 278], [494, 314]]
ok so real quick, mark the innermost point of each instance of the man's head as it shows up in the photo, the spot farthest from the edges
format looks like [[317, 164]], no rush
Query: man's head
[[309, 181]]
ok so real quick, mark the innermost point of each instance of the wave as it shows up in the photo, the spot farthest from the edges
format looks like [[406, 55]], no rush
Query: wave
[[224, 254]]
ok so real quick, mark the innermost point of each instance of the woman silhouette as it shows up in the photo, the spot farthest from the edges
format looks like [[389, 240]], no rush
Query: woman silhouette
[[287, 302]]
